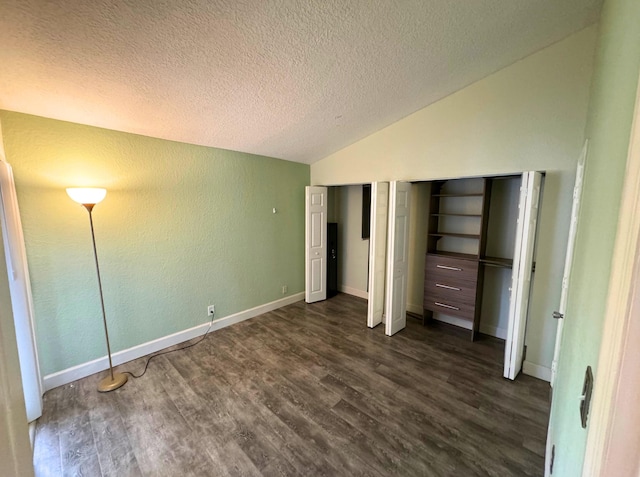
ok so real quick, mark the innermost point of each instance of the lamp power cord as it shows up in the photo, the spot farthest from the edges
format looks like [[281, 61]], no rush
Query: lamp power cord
[[146, 366]]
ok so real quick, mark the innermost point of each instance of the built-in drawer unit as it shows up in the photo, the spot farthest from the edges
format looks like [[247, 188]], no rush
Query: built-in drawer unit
[[451, 267], [461, 310], [450, 285]]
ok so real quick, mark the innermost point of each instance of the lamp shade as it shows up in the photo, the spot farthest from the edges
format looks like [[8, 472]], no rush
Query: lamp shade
[[87, 195]]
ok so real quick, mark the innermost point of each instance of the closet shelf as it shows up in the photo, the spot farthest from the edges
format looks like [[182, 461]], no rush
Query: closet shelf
[[446, 234], [457, 215], [459, 195], [463, 256], [497, 262]]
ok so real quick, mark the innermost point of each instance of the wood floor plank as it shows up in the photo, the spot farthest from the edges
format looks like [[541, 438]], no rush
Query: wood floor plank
[[77, 446], [46, 450], [305, 390]]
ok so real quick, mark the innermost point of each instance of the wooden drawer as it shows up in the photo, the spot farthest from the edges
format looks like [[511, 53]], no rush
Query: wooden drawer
[[458, 291], [438, 266], [441, 305]]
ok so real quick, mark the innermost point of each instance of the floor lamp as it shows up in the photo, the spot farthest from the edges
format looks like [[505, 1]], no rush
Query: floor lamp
[[88, 197]]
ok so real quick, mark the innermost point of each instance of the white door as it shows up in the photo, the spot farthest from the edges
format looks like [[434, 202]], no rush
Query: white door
[[315, 248], [521, 276], [20, 288], [573, 229], [397, 257], [377, 252]]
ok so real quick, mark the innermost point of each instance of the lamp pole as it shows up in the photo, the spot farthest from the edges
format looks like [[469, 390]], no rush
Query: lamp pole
[[88, 198], [89, 208]]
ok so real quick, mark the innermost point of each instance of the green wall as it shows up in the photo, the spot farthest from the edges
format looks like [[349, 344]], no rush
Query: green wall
[[182, 227], [609, 125]]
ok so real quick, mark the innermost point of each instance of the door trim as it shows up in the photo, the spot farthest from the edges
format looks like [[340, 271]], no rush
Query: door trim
[[568, 259], [20, 287]]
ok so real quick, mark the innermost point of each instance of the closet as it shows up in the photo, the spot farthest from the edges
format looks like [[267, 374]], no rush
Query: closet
[[469, 245]]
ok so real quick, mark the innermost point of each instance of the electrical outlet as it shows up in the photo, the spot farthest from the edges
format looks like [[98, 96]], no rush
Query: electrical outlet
[[211, 309], [284, 289]]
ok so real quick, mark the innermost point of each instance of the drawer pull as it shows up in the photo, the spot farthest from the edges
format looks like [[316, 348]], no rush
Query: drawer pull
[[449, 268], [447, 306], [440, 285]]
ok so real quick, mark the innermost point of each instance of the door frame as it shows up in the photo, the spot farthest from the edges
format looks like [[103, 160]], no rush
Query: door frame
[[568, 259], [20, 288], [605, 434]]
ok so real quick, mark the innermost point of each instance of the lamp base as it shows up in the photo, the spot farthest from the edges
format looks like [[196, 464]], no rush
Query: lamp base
[[107, 384]]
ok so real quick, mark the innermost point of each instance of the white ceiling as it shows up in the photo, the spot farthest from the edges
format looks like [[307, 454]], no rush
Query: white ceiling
[[293, 79]]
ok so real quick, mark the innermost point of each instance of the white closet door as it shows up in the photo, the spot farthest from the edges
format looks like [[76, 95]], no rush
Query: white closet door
[[377, 252], [522, 269], [20, 288], [568, 261], [315, 248], [397, 257]]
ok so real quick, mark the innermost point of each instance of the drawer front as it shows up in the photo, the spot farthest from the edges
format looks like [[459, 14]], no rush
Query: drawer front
[[458, 291], [453, 268], [441, 305]]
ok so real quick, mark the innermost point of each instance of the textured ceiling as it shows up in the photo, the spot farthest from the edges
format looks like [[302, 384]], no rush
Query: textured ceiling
[[294, 79]]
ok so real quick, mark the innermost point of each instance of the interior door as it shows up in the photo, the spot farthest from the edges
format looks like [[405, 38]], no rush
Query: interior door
[[521, 276], [377, 252], [397, 257], [315, 248], [20, 288], [573, 229]]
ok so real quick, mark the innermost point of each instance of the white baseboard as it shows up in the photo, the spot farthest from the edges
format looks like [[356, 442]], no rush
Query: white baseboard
[[353, 291], [452, 320], [493, 331], [86, 369], [537, 371]]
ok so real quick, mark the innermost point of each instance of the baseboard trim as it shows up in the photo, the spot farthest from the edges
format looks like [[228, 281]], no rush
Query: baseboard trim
[[537, 371], [452, 320], [91, 367], [494, 331], [353, 291], [415, 309]]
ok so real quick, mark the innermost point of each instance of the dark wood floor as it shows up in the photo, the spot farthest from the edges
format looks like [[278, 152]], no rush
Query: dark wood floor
[[305, 390]]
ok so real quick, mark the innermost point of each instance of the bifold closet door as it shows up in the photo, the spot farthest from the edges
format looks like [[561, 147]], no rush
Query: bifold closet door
[[377, 252], [315, 245], [568, 261], [397, 257], [522, 269]]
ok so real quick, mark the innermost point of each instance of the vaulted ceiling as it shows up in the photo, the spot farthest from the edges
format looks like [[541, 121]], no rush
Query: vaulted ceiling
[[293, 79]]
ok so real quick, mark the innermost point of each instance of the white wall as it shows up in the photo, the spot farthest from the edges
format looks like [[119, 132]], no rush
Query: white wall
[[353, 252], [528, 116]]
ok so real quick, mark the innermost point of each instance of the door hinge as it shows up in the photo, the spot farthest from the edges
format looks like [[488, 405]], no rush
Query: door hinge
[[524, 353], [557, 315], [553, 457]]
